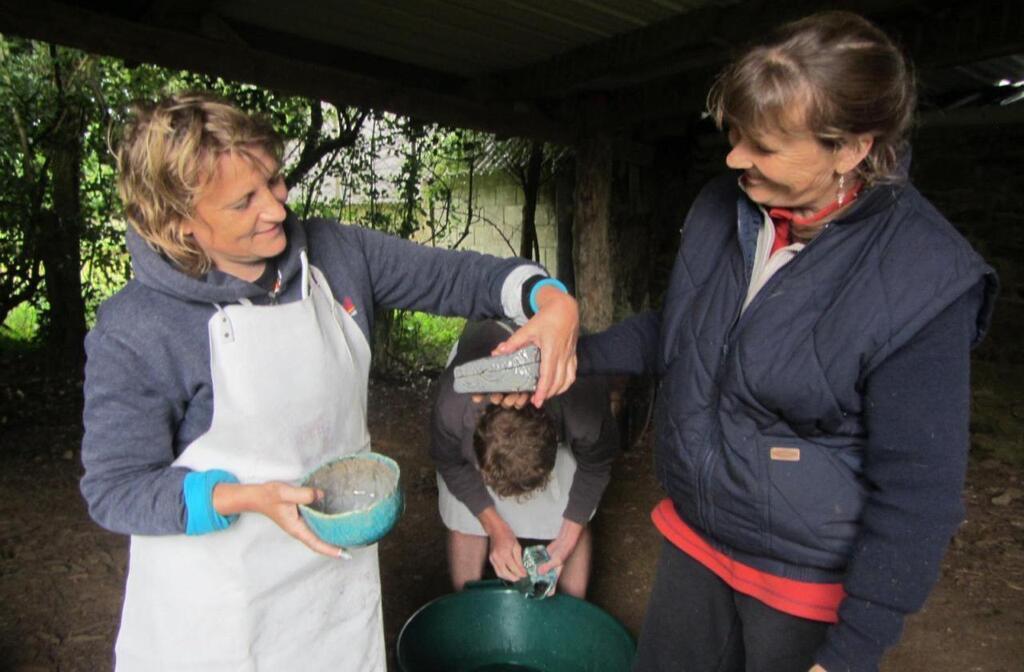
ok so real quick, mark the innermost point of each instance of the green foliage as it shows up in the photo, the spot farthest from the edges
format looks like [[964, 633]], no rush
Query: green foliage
[[48, 94], [424, 341], [408, 179], [21, 325], [41, 87], [997, 424], [374, 169]]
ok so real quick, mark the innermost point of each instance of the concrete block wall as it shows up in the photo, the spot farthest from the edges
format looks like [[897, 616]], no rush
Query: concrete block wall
[[498, 218]]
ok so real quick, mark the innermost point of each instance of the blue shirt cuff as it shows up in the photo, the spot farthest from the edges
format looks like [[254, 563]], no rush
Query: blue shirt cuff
[[200, 515], [553, 282]]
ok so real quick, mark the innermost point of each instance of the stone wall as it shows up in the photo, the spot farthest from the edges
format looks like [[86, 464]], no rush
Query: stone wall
[[975, 177]]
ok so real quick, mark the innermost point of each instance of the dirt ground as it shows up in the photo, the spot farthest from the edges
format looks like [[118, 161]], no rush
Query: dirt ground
[[61, 576]]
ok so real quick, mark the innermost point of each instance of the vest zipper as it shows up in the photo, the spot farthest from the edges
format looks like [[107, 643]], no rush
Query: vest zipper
[[704, 472], [707, 460]]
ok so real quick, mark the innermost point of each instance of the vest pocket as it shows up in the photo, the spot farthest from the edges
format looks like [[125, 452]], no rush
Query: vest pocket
[[814, 501]]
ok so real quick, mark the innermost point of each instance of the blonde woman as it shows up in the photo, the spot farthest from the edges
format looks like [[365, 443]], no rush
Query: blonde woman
[[235, 362]]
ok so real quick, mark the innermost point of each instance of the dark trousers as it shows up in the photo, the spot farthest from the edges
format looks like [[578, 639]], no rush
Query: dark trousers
[[696, 623]]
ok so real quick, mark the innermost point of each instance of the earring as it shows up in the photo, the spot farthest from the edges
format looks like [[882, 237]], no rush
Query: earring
[[841, 196]]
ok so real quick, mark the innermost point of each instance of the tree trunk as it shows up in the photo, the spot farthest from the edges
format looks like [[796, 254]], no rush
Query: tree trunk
[[591, 222], [564, 195], [531, 188], [60, 249]]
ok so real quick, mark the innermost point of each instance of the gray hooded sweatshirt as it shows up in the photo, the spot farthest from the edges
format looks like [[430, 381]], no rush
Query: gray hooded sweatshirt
[[148, 387]]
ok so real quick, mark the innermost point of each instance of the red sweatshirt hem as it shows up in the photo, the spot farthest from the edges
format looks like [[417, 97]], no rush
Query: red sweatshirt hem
[[814, 601]]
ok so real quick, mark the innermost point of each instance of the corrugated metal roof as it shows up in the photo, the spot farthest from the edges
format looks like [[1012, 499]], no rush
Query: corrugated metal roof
[[549, 69], [990, 82], [466, 38]]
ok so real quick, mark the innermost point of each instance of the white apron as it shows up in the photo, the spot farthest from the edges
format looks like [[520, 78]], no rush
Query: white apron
[[537, 517], [289, 390]]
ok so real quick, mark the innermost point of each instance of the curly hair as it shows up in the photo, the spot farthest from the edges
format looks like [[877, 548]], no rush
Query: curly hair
[[515, 449], [836, 68], [168, 153]]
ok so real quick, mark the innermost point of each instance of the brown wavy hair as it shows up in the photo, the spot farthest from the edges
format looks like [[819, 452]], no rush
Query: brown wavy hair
[[515, 449], [842, 72], [168, 153]]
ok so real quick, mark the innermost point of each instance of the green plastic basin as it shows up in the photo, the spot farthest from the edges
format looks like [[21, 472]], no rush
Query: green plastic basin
[[491, 627]]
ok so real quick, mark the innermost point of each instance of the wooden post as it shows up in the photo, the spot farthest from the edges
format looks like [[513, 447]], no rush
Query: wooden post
[[529, 247], [591, 226]]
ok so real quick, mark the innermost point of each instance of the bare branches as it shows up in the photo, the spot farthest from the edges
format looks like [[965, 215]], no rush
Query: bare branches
[[315, 148]]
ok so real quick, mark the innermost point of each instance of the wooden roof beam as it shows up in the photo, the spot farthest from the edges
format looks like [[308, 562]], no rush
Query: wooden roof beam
[[70, 25], [934, 38], [964, 33], [687, 41]]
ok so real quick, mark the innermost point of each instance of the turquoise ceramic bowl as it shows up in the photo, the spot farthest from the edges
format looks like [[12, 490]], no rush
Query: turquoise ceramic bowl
[[363, 500]]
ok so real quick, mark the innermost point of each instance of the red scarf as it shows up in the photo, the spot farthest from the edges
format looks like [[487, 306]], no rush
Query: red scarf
[[786, 221]]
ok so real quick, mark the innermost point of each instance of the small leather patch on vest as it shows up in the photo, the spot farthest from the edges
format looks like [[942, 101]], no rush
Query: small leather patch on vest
[[785, 454]]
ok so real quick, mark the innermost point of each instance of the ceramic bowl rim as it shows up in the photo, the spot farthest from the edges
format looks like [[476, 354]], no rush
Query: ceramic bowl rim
[[378, 457]]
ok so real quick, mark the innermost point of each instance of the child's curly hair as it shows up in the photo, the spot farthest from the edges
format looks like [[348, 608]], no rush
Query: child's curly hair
[[515, 449]]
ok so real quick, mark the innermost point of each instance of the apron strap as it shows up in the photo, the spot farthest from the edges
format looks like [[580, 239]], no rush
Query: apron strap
[[224, 328], [317, 276], [306, 276]]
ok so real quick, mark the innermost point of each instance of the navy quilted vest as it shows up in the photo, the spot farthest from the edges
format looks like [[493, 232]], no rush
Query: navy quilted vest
[[760, 418]]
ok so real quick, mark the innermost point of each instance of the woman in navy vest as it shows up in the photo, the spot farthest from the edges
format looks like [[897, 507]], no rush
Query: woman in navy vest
[[813, 356]]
